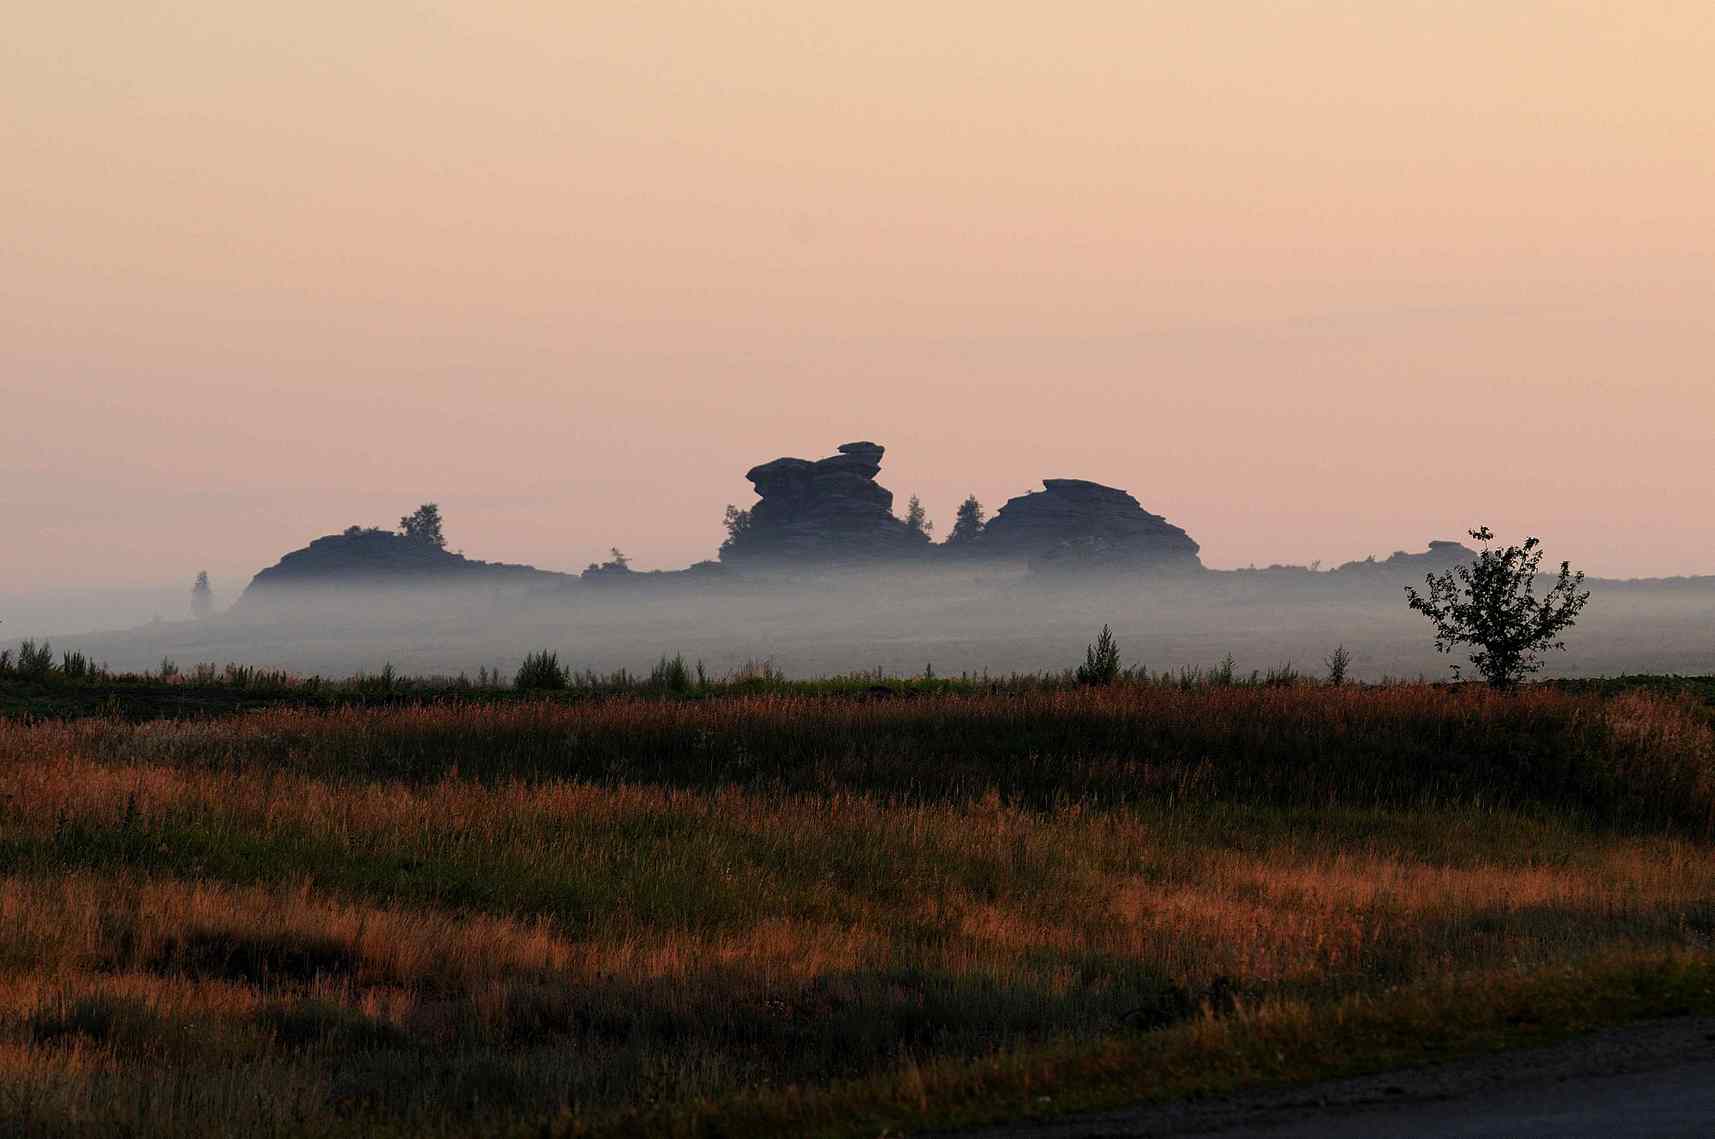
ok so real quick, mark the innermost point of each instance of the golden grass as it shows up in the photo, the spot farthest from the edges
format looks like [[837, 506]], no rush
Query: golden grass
[[200, 933]]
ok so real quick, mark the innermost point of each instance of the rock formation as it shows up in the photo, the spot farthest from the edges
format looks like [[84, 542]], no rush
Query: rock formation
[[828, 510], [1440, 557], [369, 557], [1077, 524]]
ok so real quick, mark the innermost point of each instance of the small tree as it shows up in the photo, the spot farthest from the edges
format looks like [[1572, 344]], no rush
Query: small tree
[[1101, 660], [1337, 662], [968, 522], [916, 518], [540, 672], [202, 597], [737, 523], [1492, 606], [35, 662], [424, 525]]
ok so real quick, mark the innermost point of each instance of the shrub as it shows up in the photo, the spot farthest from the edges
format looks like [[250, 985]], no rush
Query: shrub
[[672, 675], [1224, 674], [1492, 605], [540, 671], [1101, 660], [1337, 662], [35, 662]]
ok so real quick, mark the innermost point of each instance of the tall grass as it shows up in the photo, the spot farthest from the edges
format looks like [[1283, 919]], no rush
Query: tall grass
[[1632, 761], [787, 908]]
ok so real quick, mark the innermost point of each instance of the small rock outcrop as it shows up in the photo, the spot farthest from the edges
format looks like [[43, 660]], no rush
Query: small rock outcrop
[[371, 557], [1440, 557], [1075, 524], [824, 511]]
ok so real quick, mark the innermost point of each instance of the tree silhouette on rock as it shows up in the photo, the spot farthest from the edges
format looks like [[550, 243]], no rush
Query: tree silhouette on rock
[[424, 525]]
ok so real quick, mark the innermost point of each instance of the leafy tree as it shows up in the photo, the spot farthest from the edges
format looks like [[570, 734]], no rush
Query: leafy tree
[[1101, 660], [424, 525], [916, 518], [737, 523], [1492, 606], [202, 597], [968, 522]]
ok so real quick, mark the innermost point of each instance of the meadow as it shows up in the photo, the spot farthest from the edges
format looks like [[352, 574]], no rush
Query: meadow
[[840, 908]]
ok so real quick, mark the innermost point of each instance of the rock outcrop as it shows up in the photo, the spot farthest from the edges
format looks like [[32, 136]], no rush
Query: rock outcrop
[[1075, 524], [830, 510], [1440, 557], [370, 557]]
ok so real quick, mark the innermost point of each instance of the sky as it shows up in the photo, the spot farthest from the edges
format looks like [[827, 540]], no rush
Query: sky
[[1313, 279]]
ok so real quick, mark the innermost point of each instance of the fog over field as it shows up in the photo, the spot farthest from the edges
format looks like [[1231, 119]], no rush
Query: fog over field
[[898, 621]]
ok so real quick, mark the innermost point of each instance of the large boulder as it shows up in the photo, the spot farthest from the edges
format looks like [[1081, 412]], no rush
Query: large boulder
[[828, 510], [1078, 524]]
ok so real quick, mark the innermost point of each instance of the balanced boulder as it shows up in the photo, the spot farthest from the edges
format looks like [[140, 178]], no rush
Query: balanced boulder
[[828, 510]]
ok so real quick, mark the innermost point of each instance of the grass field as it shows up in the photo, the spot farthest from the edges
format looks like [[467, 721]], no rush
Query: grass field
[[816, 911]]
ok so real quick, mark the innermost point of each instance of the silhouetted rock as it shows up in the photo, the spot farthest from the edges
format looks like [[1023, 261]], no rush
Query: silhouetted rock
[[828, 510], [367, 557], [1077, 524], [1440, 557]]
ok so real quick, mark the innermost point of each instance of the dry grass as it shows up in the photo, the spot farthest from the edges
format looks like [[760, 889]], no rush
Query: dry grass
[[298, 923], [1632, 760]]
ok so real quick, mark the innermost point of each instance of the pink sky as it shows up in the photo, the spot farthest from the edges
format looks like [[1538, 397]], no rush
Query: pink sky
[[1313, 279]]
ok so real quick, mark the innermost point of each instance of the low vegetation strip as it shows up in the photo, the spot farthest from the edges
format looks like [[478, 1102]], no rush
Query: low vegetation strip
[[1635, 759], [798, 914]]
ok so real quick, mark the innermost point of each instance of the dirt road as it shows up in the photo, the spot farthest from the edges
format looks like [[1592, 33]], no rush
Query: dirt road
[[1655, 1079]]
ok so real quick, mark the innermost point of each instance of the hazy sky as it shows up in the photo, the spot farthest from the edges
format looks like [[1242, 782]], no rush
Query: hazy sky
[[1314, 279]]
